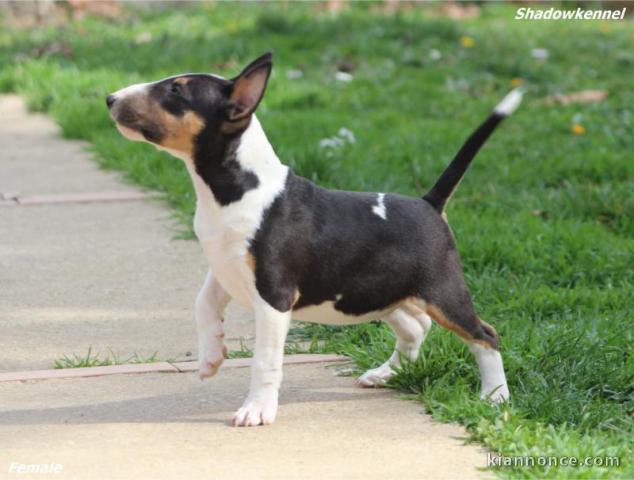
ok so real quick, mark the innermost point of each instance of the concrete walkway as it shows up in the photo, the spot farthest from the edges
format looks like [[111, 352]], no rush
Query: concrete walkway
[[172, 426], [109, 275]]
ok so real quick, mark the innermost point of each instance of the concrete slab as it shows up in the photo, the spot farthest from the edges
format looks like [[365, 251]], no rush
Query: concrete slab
[[35, 160], [167, 426]]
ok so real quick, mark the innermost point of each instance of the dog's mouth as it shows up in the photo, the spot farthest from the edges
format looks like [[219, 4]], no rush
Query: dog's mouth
[[135, 128], [130, 133]]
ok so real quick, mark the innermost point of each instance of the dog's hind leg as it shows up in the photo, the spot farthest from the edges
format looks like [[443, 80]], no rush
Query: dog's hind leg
[[451, 307], [210, 305], [491, 368], [410, 325]]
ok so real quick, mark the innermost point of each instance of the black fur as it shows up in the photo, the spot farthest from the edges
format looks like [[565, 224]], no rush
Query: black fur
[[216, 163], [215, 151], [324, 243]]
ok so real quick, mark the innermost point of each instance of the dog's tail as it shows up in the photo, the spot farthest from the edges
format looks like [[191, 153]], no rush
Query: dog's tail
[[450, 178]]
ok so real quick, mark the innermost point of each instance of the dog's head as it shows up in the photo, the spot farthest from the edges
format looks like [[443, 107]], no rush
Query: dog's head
[[174, 112]]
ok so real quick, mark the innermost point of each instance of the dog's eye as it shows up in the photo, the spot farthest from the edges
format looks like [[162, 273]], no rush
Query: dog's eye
[[176, 88]]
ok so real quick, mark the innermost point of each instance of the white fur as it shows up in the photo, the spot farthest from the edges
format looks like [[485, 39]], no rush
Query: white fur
[[379, 208], [379, 376], [489, 361], [411, 325], [224, 232], [131, 90], [130, 134], [271, 327], [510, 103], [210, 304]]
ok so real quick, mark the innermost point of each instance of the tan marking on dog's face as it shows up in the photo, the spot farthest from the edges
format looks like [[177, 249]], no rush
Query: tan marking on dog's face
[[140, 116], [181, 132], [173, 112]]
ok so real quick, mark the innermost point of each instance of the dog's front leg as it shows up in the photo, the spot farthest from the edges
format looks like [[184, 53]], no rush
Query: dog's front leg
[[210, 305], [271, 327]]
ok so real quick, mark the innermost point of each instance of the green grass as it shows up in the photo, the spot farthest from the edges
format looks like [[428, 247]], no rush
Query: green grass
[[544, 218], [91, 359]]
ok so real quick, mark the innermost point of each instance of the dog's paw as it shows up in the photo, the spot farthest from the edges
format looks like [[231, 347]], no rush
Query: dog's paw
[[499, 395], [258, 410], [210, 361], [377, 377]]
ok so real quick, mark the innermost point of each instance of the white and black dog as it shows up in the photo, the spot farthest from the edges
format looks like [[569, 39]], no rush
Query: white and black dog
[[287, 248]]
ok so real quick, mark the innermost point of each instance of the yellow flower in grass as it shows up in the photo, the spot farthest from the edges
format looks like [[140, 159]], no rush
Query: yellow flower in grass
[[467, 42], [517, 81], [578, 129]]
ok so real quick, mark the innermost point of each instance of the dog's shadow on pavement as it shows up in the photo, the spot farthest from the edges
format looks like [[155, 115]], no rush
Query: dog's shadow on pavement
[[102, 400]]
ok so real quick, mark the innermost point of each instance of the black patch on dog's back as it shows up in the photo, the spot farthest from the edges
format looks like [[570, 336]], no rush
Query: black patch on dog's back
[[330, 245]]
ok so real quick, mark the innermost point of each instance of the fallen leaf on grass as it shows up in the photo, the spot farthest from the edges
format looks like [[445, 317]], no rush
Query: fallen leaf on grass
[[584, 96]]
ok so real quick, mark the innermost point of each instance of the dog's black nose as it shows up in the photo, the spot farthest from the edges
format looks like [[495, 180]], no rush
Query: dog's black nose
[[110, 100]]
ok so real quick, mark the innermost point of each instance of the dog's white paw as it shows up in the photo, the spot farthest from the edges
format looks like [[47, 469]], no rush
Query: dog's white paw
[[210, 360], [377, 377], [497, 395], [260, 409]]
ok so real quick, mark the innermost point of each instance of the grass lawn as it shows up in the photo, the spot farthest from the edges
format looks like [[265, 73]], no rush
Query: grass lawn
[[544, 218]]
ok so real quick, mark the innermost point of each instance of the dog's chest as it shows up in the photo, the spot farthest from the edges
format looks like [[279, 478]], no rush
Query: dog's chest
[[225, 243]]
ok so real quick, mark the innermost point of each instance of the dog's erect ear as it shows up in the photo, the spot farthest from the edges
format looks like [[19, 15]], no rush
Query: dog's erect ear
[[248, 88]]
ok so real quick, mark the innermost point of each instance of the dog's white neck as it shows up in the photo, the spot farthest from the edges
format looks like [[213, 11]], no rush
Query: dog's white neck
[[254, 154]]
